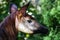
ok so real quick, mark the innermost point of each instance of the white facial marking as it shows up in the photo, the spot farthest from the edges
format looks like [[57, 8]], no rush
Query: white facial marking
[[21, 27], [31, 26]]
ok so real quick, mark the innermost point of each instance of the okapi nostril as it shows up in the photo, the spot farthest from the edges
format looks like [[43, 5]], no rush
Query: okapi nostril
[[42, 30]]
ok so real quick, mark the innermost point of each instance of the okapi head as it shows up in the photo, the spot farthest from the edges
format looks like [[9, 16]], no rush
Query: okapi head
[[24, 22]]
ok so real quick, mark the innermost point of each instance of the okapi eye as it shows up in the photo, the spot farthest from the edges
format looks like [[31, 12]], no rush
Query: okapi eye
[[29, 21]]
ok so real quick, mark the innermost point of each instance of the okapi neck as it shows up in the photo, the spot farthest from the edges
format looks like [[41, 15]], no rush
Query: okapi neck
[[8, 28]]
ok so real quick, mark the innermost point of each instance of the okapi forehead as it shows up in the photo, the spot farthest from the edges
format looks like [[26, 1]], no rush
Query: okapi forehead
[[20, 15], [29, 16]]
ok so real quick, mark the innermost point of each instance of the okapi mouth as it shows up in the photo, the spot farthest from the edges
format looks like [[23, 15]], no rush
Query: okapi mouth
[[43, 30]]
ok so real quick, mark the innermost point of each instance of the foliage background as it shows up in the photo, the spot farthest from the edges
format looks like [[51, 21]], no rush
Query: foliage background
[[49, 16]]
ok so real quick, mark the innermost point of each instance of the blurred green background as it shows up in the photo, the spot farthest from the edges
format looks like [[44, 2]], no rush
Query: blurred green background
[[47, 12]]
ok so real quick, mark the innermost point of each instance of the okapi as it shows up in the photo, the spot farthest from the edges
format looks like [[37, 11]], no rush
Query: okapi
[[19, 20]]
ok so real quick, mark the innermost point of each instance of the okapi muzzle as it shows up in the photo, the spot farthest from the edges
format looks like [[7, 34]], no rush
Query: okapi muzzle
[[19, 20]]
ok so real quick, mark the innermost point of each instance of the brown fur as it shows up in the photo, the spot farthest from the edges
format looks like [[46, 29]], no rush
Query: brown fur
[[7, 29]]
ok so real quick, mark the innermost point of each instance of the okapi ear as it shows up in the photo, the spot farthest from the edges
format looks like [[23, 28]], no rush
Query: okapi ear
[[24, 8], [13, 8]]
